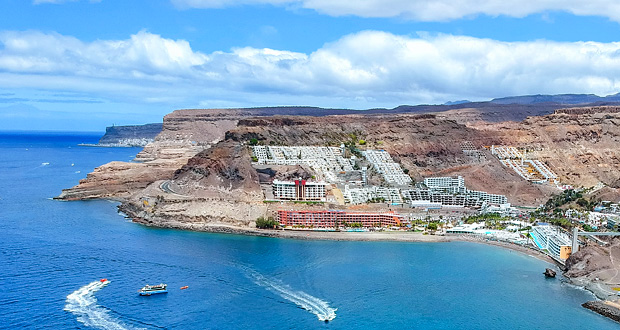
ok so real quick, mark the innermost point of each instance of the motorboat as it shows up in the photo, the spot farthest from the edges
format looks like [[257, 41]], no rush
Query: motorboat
[[148, 290]]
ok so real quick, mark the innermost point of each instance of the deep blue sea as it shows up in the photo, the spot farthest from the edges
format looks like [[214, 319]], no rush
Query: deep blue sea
[[53, 253]]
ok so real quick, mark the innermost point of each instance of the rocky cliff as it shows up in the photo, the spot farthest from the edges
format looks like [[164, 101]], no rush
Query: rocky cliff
[[197, 171], [137, 135], [582, 149], [182, 137], [597, 267], [218, 186]]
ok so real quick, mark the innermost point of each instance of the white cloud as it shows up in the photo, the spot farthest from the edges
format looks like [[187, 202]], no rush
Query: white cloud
[[361, 70], [428, 10]]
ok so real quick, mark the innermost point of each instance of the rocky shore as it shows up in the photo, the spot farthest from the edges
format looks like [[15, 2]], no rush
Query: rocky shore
[[604, 308], [135, 135]]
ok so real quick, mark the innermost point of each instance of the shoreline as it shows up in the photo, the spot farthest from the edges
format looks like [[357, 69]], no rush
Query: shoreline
[[377, 236], [384, 236]]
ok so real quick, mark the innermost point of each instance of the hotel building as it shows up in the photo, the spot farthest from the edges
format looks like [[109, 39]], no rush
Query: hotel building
[[549, 238], [446, 184], [450, 191], [300, 190], [333, 219]]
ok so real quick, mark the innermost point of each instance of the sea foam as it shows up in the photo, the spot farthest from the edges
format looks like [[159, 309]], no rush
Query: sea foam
[[83, 304], [310, 303]]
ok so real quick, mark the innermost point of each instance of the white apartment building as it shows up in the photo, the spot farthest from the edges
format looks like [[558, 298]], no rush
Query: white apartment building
[[382, 162], [552, 239], [456, 185], [299, 190], [489, 198], [417, 196], [363, 195], [446, 184], [325, 161]]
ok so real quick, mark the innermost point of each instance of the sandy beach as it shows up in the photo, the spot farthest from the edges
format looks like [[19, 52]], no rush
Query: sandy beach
[[395, 236]]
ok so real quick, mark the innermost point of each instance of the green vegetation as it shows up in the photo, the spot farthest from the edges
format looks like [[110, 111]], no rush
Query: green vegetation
[[362, 142], [555, 218], [350, 145], [377, 200], [567, 196], [588, 228], [308, 202], [352, 224], [553, 213], [253, 141], [562, 222], [491, 220], [483, 217], [432, 226], [254, 159], [582, 202], [269, 223]]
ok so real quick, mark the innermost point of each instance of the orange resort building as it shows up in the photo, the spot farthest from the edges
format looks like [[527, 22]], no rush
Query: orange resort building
[[299, 190], [329, 219]]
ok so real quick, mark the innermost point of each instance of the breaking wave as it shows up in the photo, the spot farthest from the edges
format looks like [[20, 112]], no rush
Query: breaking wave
[[310, 303], [83, 304]]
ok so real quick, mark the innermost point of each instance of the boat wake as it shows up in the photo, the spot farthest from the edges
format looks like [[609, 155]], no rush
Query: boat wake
[[83, 304], [310, 303]]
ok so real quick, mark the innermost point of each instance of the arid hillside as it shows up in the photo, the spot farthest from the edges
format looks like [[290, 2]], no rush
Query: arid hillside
[[581, 148], [198, 171]]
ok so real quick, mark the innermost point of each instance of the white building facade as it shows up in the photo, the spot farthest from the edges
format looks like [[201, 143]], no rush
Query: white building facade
[[301, 190]]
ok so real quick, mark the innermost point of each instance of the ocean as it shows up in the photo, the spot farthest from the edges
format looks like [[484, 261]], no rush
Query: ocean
[[53, 253]]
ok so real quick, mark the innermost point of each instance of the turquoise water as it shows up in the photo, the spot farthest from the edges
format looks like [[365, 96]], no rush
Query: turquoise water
[[536, 240], [53, 253]]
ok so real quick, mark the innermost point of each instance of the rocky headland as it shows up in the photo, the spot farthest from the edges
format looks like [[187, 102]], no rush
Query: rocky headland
[[128, 136]]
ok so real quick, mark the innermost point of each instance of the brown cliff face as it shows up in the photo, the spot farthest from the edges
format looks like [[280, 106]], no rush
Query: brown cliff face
[[202, 157], [596, 265], [424, 141], [118, 180], [216, 187], [182, 137], [588, 110], [581, 149], [224, 168], [426, 145]]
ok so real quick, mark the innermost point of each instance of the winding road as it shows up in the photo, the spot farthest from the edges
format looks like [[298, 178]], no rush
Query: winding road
[[165, 187]]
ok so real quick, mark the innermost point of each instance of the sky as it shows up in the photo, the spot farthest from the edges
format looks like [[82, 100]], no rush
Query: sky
[[87, 64]]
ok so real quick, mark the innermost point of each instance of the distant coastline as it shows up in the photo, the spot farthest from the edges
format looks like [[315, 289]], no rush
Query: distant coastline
[[128, 136], [133, 144]]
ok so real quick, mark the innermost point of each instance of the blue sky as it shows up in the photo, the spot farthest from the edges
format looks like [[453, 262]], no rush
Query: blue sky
[[84, 65]]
